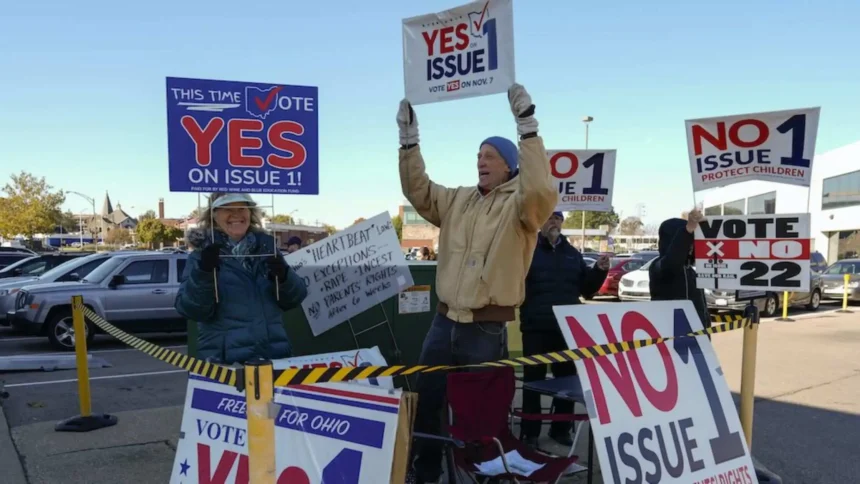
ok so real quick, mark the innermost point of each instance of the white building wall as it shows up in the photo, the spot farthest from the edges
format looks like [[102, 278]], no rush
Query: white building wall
[[793, 199]]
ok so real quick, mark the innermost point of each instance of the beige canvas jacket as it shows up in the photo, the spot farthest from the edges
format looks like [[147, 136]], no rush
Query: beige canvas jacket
[[486, 242]]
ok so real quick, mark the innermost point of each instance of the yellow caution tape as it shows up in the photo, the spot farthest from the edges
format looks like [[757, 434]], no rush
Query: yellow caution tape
[[212, 371], [726, 318], [308, 376]]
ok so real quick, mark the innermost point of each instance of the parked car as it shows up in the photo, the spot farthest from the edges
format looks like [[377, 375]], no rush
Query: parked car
[[634, 284], [35, 266], [8, 258], [133, 291], [72, 270], [618, 267], [646, 255], [771, 304], [16, 250], [834, 280]]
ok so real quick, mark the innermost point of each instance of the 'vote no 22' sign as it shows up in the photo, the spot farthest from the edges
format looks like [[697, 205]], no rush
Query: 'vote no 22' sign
[[583, 178], [661, 413]]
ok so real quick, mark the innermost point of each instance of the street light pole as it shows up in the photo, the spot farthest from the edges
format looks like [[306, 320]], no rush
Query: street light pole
[[586, 120], [93, 202]]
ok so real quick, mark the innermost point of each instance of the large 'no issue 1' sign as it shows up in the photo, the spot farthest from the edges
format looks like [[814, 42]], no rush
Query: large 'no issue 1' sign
[[776, 146], [756, 252], [661, 413]]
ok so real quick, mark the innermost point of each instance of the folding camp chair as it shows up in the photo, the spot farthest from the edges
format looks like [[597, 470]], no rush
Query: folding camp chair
[[577, 419], [479, 403]]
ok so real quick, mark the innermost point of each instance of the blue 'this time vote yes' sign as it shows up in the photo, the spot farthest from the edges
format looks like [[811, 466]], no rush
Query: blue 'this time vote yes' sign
[[225, 136]]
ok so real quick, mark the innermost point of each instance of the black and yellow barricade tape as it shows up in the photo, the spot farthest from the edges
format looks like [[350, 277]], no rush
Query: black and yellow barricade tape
[[726, 318], [308, 376], [212, 371]]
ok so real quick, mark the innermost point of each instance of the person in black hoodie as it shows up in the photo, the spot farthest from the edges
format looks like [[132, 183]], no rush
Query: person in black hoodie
[[671, 274], [557, 276]]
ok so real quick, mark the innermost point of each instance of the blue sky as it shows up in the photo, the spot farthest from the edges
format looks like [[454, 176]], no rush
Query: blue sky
[[82, 97]]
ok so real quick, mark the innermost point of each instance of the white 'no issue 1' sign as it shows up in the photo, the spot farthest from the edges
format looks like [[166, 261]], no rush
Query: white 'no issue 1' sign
[[755, 252], [662, 413], [584, 179], [776, 146]]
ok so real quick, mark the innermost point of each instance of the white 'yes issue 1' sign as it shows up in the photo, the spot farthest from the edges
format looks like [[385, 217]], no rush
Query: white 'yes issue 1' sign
[[661, 413], [583, 178], [463, 52], [350, 272], [776, 146], [754, 252]]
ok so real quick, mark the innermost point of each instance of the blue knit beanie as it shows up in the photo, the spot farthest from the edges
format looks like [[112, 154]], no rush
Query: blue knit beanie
[[507, 149], [559, 215]]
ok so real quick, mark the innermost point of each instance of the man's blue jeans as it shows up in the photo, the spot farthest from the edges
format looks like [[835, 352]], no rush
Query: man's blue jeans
[[448, 343]]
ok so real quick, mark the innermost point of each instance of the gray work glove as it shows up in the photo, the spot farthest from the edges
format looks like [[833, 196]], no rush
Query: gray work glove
[[408, 124], [523, 109]]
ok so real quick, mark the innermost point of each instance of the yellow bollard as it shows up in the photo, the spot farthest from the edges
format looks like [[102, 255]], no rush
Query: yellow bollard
[[784, 308], [81, 356], [259, 393], [748, 380], [84, 422], [847, 280]]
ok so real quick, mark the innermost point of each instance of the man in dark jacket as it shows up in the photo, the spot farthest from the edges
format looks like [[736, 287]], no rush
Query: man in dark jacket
[[672, 276], [557, 277]]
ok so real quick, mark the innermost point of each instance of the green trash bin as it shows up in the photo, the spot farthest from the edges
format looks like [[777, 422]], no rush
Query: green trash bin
[[367, 329]]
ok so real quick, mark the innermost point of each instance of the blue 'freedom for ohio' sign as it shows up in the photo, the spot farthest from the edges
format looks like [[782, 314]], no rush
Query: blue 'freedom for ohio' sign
[[225, 136]]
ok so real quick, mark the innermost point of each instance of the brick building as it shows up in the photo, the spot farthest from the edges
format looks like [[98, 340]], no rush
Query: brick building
[[417, 232]]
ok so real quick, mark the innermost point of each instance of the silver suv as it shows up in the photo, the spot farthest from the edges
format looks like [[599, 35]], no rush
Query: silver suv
[[72, 270], [133, 291]]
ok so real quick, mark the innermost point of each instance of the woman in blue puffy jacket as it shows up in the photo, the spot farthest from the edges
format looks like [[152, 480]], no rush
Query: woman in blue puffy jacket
[[242, 319]]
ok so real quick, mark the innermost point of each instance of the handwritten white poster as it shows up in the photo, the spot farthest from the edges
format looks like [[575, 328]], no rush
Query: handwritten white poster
[[463, 52], [350, 272]]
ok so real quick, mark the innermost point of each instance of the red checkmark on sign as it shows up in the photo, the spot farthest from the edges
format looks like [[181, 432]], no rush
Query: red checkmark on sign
[[481, 20], [264, 105]]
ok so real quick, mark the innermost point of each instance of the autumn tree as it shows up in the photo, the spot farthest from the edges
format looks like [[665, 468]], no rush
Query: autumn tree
[[283, 219], [631, 226], [172, 234], [30, 206], [593, 220], [118, 236], [329, 229], [397, 222], [69, 222], [651, 229], [149, 214], [150, 231], [359, 220]]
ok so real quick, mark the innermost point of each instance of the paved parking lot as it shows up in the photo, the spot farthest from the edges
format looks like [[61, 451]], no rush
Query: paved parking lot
[[134, 380], [807, 389]]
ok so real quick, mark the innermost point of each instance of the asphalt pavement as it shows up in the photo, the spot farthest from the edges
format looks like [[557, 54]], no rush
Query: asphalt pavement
[[134, 381], [807, 423]]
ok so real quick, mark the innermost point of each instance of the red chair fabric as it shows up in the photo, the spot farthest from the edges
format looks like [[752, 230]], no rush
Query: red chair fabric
[[480, 402]]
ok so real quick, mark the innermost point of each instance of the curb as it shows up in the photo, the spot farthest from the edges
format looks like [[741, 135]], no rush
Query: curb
[[10, 463]]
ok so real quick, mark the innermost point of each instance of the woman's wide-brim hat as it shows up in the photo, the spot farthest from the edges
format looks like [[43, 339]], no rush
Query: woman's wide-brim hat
[[229, 198]]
